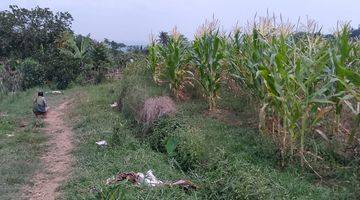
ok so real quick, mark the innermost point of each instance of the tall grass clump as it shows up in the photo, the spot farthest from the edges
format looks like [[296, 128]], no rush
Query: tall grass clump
[[185, 145]]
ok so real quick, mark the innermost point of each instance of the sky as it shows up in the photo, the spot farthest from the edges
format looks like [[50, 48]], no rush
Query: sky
[[132, 21]]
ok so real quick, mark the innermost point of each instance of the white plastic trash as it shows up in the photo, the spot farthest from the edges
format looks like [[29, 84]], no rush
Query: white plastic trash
[[115, 104], [56, 92], [102, 143], [151, 180]]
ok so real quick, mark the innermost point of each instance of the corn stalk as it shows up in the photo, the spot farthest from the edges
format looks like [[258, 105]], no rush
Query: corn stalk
[[208, 53], [169, 63], [345, 65]]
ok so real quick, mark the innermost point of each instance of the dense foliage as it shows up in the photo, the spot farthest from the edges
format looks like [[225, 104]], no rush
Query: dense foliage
[[39, 47], [25, 33]]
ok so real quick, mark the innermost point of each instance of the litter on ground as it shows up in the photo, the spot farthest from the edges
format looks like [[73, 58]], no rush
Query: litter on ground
[[150, 180], [54, 92], [114, 105], [101, 143]]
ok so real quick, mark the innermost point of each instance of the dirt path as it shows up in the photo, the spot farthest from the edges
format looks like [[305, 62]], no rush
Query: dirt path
[[56, 160]]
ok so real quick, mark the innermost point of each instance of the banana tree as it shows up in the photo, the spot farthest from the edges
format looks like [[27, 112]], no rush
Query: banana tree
[[70, 48]]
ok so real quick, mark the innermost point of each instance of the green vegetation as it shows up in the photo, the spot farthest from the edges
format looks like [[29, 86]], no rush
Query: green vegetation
[[97, 121], [37, 47], [208, 54], [298, 79], [266, 112], [225, 160]]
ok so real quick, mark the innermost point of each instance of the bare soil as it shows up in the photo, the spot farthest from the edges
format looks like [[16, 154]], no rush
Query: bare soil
[[57, 158]]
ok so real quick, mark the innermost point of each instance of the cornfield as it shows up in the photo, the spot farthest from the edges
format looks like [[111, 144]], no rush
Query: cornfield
[[297, 76]]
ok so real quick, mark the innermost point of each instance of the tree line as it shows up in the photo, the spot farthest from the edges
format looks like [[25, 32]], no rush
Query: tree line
[[38, 46]]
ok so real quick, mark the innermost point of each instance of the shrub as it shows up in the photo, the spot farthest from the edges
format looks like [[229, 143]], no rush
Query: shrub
[[63, 70], [10, 79], [189, 144], [162, 129], [33, 73], [190, 149]]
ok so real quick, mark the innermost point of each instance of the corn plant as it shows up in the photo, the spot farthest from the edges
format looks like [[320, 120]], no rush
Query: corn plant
[[296, 77], [295, 85], [289, 77], [345, 65], [245, 56], [208, 54], [246, 52], [153, 60], [169, 63], [175, 63]]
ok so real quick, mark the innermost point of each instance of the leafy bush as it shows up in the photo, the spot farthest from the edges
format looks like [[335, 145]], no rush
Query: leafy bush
[[63, 70], [188, 145], [33, 73], [10, 79], [190, 149], [162, 129]]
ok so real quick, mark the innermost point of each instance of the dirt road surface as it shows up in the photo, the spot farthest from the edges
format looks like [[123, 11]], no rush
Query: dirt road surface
[[57, 158]]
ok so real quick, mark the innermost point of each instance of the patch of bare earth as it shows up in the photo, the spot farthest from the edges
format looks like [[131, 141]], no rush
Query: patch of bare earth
[[57, 158]]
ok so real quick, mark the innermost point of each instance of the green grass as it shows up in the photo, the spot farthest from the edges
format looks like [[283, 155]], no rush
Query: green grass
[[21, 143], [96, 121]]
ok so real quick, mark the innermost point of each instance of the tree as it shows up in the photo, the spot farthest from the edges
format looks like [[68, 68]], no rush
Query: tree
[[163, 38], [24, 33], [69, 47], [355, 33], [114, 46], [101, 60], [99, 55]]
